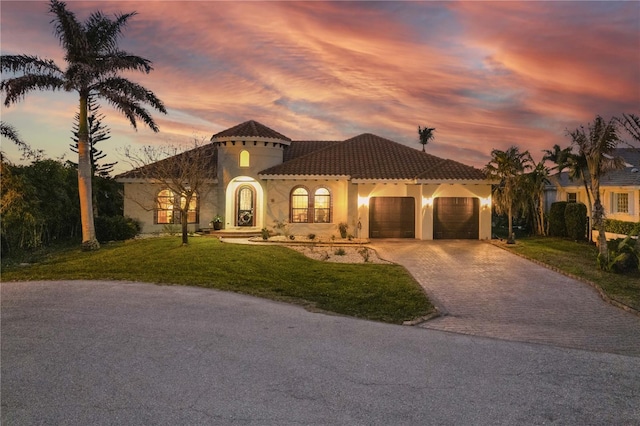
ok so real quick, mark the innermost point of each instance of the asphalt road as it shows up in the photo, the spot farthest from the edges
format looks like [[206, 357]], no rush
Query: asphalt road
[[106, 353]]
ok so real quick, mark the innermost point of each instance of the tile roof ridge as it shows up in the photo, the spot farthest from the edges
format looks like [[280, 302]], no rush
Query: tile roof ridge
[[325, 148], [445, 161]]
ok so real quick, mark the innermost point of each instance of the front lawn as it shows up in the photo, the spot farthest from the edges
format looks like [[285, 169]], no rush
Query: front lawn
[[371, 291], [579, 259]]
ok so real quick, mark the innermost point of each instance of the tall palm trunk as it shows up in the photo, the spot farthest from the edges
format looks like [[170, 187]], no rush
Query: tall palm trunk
[[510, 239], [589, 210], [89, 241]]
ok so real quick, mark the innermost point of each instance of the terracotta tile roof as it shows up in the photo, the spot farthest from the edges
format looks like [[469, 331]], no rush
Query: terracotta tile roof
[[250, 128], [208, 152], [301, 148], [369, 156]]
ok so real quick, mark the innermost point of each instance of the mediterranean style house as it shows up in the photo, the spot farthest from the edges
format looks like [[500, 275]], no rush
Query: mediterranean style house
[[620, 189], [377, 187]]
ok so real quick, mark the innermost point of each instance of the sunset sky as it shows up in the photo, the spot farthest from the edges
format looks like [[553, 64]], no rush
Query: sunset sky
[[484, 74]]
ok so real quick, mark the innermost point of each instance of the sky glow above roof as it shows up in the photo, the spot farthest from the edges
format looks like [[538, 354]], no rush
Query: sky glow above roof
[[484, 74]]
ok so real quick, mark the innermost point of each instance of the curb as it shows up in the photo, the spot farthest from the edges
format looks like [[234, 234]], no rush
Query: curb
[[595, 286]]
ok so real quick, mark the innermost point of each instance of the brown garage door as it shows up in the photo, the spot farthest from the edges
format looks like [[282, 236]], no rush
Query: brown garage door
[[456, 218], [392, 217]]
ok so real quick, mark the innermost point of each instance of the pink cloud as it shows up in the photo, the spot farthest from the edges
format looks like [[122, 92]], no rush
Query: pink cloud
[[484, 74]]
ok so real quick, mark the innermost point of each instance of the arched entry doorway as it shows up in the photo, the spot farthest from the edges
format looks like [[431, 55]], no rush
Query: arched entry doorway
[[245, 206]]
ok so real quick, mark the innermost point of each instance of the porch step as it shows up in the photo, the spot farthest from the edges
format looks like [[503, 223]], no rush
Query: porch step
[[210, 232]]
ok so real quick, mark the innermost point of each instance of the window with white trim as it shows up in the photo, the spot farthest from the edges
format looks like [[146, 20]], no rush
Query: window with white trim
[[572, 197], [620, 202]]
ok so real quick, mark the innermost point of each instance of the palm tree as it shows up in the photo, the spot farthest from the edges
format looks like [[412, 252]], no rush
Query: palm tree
[[576, 164], [597, 145], [561, 157], [507, 167], [98, 132], [533, 184], [94, 63], [426, 135]]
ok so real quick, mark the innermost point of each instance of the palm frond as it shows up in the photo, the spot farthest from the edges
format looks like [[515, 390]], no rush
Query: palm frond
[[16, 88], [103, 33], [69, 31], [29, 65], [631, 123], [124, 61], [125, 88]]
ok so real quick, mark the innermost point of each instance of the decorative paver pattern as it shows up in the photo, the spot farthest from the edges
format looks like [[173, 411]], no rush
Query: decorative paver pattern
[[484, 290]]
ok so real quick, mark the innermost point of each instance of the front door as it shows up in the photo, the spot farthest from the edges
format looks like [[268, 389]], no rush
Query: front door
[[245, 214]]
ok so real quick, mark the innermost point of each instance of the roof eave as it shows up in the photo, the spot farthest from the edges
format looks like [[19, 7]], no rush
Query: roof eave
[[454, 181], [383, 180], [302, 177], [155, 180], [248, 139]]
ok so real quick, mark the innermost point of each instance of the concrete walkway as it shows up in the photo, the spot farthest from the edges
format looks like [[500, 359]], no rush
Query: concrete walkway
[[483, 290]]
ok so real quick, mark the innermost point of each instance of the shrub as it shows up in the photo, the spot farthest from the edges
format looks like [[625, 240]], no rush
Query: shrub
[[116, 228], [265, 233], [342, 227], [340, 252], [364, 252], [623, 256], [622, 227], [557, 225], [575, 219], [311, 236]]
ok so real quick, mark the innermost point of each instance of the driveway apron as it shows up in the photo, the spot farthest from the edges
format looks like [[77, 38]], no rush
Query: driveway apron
[[483, 290]]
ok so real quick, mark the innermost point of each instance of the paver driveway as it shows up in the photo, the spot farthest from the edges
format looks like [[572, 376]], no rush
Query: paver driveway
[[483, 290]]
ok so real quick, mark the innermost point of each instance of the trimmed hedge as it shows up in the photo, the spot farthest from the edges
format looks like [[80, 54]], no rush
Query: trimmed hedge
[[557, 225], [622, 227], [575, 217], [116, 228]]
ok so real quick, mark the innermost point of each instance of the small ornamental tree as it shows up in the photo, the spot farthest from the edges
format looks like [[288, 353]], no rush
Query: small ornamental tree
[[187, 174]]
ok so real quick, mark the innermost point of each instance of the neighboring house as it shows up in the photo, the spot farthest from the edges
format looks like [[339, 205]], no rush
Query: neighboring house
[[619, 189], [379, 188]]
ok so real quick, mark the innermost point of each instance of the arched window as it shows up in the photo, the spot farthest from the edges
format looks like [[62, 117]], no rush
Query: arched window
[[168, 209], [244, 158], [164, 206], [299, 205], [314, 208], [322, 206]]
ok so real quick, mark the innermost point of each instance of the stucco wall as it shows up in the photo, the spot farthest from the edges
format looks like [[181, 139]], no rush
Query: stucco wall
[[277, 206], [139, 203], [424, 196]]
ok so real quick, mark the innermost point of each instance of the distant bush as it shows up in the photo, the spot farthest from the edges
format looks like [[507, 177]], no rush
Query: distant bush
[[622, 227], [575, 219], [116, 228], [340, 252], [557, 225]]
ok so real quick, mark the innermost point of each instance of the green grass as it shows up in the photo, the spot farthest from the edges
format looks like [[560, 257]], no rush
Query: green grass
[[371, 291], [579, 259]]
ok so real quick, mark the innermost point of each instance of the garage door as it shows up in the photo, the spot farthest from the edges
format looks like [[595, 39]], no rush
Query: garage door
[[392, 217], [456, 218]]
